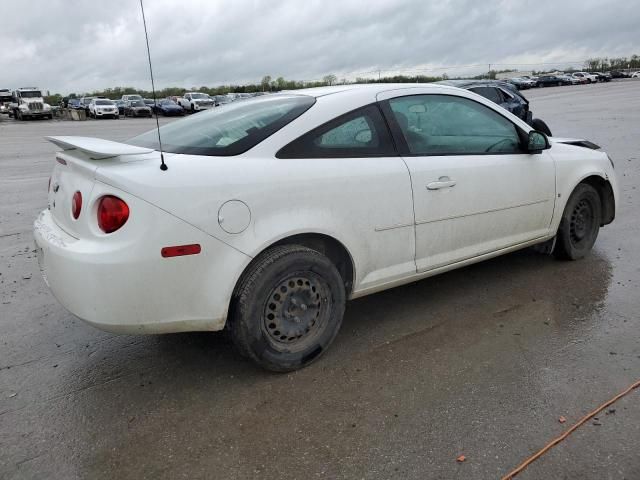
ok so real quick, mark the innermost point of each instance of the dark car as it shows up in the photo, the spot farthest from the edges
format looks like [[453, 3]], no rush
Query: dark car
[[602, 77], [520, 83], [74, 103], [168, 108], [618, 74], [504, 94], [150, 102], [136, 108], [121, 104], [552, 81], [221, 100]]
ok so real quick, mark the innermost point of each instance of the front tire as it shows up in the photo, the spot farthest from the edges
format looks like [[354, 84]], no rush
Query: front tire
[[287, 308], [580, 224]]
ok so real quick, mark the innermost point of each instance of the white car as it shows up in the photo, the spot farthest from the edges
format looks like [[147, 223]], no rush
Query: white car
[[570, 78], [588, 76], [103, 108], [196, 102], [276, 210], [635, 75]]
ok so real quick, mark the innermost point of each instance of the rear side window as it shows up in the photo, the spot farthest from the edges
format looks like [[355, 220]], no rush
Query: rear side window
[[229, 130], [360, 133], [489, 93]]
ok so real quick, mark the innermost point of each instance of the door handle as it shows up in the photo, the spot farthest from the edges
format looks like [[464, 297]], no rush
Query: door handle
[[443, 182]]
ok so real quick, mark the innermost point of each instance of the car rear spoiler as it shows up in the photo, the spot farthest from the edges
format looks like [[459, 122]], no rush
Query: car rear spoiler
[[97, 148]]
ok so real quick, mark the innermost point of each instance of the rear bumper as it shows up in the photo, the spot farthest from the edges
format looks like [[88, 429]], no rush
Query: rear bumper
[[127, 287]]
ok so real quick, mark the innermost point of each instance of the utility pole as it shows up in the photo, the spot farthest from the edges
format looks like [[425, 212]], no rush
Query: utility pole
[[489, 72]]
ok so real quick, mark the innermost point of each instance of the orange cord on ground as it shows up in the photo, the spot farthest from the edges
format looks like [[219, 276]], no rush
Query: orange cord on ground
[[556, 441]]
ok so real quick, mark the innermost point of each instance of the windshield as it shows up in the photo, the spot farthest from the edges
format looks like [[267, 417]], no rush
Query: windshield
[[168, 102], [199, 95], [104, 102], [137, 103], [31, 94], [134, 97], [228, 130]]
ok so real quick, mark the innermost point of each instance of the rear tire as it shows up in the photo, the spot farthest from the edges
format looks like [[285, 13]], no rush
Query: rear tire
[[287, 308], [580, 224]]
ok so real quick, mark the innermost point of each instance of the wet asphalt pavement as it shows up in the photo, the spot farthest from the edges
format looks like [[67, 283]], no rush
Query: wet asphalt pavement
[[478, 362]]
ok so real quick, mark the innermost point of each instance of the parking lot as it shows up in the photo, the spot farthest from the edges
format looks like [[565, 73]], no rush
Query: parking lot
[[479, 362]]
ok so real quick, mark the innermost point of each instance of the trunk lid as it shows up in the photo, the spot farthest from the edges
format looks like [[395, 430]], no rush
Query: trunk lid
[[75, 171]]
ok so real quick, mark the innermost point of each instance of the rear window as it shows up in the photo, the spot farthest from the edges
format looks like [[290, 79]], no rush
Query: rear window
[[228, 130], [104, 102]]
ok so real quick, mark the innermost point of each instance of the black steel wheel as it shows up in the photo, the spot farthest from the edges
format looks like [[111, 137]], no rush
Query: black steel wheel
[[287, 308], [580, 223]]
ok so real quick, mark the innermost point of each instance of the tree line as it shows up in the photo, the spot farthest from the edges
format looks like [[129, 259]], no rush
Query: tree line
[[608, 64], [270, 84]]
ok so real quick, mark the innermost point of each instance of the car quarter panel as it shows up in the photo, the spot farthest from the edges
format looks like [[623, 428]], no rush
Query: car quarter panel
[[121, 283]]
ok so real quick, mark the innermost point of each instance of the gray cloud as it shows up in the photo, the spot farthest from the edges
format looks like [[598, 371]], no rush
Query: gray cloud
[[81, 45]]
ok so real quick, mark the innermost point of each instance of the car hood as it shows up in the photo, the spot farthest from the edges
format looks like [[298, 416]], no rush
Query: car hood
[[578, 142]]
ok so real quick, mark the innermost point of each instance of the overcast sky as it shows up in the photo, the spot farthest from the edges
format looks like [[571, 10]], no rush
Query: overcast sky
[[81, 45]]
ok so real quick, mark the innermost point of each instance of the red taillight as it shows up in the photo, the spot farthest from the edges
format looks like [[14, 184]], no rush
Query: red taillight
[[112, 213], [180, 250], [76, 205]]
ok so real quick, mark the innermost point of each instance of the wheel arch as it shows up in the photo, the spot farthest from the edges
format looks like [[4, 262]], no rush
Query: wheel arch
[[607, 198], [329, 246]]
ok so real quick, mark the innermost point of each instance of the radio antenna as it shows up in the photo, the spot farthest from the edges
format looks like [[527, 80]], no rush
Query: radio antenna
[[163, 166]]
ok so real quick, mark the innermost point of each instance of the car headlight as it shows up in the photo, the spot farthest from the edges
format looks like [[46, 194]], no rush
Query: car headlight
[[46, 106], [23, 107]]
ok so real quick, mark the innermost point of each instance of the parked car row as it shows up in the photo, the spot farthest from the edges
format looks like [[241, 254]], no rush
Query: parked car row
[[559, 79], [134, 105]]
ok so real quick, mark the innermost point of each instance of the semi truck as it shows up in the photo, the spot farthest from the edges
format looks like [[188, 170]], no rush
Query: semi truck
[[28, 102], [5, 100]]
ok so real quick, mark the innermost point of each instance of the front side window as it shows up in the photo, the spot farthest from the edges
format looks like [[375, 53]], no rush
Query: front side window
[[449, 125], [361, 133], [31, 94], [228, 131]]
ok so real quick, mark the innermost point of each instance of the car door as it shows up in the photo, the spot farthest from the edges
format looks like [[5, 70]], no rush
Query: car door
[[358, 174], [475, 190]]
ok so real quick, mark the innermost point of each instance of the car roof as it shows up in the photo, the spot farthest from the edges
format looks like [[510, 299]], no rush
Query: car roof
[[473, 83], [374, 88]]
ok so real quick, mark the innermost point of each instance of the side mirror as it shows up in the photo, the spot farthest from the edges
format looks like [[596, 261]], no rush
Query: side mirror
[[537, 142]]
